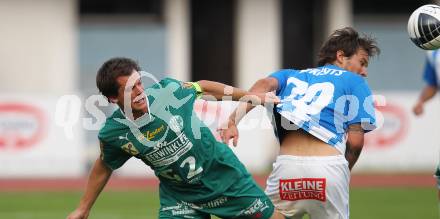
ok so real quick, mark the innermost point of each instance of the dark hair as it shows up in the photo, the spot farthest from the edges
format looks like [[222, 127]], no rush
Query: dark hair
[[112, 69], [347, 40]]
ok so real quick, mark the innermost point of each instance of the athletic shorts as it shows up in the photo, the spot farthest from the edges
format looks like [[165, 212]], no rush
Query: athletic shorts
[[241, 200], [317, 186]]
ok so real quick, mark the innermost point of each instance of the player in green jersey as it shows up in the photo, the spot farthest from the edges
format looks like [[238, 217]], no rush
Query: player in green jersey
[[198, 175]]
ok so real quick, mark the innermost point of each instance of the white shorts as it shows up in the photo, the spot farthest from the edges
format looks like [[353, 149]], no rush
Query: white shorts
[[317, 186]]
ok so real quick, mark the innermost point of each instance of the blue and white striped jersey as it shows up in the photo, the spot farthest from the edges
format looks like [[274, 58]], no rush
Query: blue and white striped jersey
[[432, 68], [324, 101]]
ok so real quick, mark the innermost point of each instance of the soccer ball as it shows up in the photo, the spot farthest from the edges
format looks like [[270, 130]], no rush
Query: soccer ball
[[424, 27]]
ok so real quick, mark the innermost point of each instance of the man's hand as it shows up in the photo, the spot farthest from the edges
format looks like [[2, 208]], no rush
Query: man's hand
[[219, 91], [428, 93], [78, 214], [418, 109], [268, 97], [230, 132], [98, 178]]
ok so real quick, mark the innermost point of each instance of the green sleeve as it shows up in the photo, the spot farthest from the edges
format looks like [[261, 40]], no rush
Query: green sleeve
[[178, 94], [113, 139], [184, 89], [112, 156]]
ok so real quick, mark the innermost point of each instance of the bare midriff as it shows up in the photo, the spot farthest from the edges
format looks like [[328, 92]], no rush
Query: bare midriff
[[300, 143]]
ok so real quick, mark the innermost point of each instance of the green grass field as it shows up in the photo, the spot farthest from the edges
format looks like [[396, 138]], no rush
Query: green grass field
[[366, 203]]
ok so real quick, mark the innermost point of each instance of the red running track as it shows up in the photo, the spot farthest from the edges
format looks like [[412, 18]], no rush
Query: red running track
[[118, 183]]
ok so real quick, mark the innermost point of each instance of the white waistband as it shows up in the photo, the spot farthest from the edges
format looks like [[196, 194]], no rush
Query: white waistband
[[327, 159]]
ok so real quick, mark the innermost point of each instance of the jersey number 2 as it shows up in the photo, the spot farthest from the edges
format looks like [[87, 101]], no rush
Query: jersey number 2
[[191, 161], [192, 167]]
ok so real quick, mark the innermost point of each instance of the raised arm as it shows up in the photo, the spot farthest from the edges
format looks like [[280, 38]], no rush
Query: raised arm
[[355, 143], [98, 178], [261, 86]]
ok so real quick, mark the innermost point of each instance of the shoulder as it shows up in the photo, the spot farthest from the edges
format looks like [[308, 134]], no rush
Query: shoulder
[[287, 71], [359, 86], [167, 81], [355, 77], [111, 127], [163, 83], [282, 74], [353, 83], [284, 71]]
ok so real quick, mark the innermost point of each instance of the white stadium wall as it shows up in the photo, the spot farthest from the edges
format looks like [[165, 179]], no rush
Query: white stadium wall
[[258, 36], [405, 143], [31, 142], [38, 46], [39, 63], [39, 55]]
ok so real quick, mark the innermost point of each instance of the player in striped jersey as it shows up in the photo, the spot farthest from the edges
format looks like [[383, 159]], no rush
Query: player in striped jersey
[[323, 115], [431, 78]]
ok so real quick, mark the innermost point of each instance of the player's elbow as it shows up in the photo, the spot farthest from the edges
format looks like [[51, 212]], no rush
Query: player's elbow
[[208, 87], [356, 143], [264, 85]]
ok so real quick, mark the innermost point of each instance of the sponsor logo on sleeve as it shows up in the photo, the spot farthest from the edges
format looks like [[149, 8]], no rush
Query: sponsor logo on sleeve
[[130, 149], [187, 85]]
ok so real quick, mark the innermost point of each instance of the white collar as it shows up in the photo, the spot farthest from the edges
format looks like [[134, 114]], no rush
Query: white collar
[[140, 121]]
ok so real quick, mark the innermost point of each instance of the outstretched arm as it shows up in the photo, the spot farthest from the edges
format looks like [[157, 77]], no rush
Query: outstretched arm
[[219, 90], [97, 180], [261, 86], [355, 143], [427, 93]]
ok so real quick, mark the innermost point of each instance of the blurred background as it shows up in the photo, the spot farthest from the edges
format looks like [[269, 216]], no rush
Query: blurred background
[[51, 111]]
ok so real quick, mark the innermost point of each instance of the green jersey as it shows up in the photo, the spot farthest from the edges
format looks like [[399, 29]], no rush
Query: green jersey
[[174, 142]]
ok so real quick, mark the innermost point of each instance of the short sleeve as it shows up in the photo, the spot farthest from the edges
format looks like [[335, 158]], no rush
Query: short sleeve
[[281, 77], [429, 75], [112, 156], [173, 95], [180, 90], [365, 113]]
